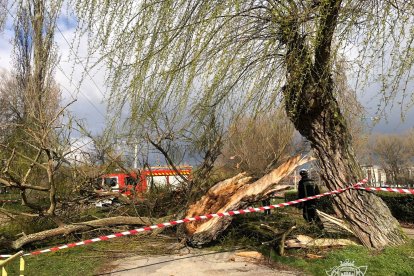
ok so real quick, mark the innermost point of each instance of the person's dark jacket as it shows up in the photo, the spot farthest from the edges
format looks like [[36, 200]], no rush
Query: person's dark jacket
[[307, 187]]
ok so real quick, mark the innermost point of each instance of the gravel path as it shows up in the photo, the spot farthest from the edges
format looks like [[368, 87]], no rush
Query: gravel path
[[409, 232]]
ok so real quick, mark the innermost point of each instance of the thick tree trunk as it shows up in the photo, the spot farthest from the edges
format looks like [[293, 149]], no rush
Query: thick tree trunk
[[313, 109], [369, 217]]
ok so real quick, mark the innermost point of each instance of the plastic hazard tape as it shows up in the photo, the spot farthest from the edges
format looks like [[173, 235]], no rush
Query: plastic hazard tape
[[185, 220], [395, 190], [9, 201]]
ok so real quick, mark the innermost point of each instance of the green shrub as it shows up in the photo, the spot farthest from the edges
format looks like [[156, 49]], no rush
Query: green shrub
[[324, 203], [291, 195], [401, 205]]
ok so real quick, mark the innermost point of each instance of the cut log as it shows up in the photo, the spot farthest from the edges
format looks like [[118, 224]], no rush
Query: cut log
[[235, 193], [250, 254], [82, 226], [303, 241]]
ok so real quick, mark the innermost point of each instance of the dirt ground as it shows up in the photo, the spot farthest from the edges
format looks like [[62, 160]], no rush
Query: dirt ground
[[197, 263], [409, 232], [201, 262]]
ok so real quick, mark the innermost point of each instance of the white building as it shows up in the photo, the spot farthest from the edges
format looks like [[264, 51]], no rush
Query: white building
[[375, 174]]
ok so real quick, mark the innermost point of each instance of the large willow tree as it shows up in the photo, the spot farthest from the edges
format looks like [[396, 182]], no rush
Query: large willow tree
[[193, 58]]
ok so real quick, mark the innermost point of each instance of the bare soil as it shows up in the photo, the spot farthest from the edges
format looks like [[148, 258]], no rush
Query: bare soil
[[409, 232], [196, 262]]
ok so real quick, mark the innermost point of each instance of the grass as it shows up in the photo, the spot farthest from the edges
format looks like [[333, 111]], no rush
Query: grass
[[93, 258], [391, 261], [243, 232], [397, 260], [9, 196]]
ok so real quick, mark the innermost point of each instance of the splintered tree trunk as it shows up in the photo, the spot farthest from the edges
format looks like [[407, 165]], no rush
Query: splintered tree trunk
[[311, 106], [234, 193]]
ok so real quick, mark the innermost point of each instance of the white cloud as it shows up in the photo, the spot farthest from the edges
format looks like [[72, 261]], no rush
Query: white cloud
[[89, 93]]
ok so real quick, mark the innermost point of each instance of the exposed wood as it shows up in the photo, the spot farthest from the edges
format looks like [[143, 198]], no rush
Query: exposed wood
[[333, 225], [235, 193], [250, 254], [313, 256], [82, 226], [302, 241]]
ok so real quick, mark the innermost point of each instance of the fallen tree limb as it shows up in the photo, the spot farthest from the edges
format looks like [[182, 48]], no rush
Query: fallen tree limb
[[235, 193], [279, 237], [282, 240], [333, 224], [82, 226], [13, 214], [303, 241]]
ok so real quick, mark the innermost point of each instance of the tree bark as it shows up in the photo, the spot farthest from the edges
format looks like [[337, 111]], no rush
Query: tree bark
[[313, 109], [82, 226]]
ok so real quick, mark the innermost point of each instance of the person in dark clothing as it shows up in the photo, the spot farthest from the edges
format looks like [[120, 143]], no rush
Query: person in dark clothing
[[307, 187]]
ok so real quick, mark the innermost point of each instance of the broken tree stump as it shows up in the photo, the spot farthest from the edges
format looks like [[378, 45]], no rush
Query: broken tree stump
[[234, 193]]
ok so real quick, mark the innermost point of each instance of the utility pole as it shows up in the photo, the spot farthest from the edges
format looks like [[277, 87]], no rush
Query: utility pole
[[136, 156]]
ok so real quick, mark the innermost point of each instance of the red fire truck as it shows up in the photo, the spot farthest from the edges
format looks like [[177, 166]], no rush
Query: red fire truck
[[133, 183]]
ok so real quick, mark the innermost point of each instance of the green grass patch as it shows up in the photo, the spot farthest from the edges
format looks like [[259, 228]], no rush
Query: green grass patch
[[245, 232], [93, 258], [391, 261], [10, 196]]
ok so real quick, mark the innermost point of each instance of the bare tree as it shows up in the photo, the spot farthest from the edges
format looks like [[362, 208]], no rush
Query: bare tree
[[37, 150], [256, 145], [3, 14], [394, 154], [244, 56]]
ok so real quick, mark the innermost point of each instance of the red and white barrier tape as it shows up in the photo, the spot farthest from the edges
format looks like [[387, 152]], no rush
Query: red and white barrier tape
[[395, 190], [217, 215], [9, 201], [196, 218]]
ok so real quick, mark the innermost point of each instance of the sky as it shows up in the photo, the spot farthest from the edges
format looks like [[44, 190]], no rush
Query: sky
[[90, 93]]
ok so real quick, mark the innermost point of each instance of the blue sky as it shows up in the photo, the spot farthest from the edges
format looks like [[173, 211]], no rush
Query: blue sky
[[90, 107], [89, 95]]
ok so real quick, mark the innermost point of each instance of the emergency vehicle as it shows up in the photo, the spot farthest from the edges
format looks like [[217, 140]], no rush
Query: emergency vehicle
[[132, 183]]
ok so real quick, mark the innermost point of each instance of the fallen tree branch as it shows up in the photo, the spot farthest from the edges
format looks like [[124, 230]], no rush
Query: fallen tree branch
[[82, 226], [235, 193], [13, 214], [282, 240], [302, 241]]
